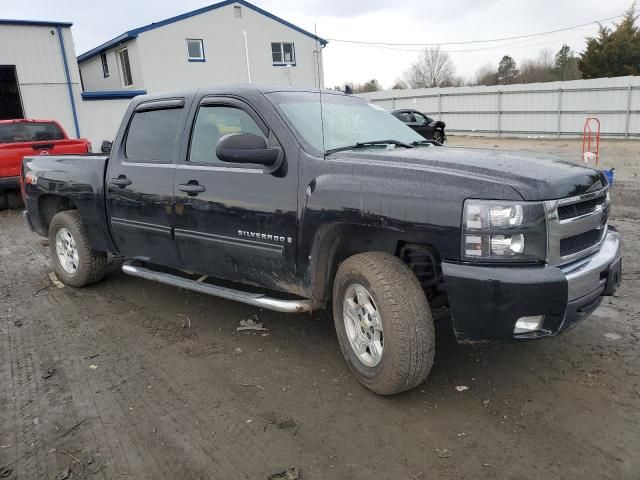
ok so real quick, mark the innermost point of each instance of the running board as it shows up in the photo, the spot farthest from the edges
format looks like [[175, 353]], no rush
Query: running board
[[256, 299]]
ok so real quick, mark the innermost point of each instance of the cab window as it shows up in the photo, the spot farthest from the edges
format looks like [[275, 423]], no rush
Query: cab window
[[421, 119], [212, 123], [152, 135]]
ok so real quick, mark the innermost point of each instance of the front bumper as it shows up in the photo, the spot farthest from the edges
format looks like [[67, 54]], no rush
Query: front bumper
[[9, 183], [486, 302]]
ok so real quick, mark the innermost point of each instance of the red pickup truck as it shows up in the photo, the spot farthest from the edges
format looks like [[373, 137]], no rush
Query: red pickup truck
[[22, 137]]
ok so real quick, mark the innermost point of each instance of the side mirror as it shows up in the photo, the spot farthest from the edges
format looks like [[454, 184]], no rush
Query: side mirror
[[246, 148], [106, 146]]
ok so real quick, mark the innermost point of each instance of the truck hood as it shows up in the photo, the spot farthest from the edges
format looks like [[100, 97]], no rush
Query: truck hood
[[533, 176]]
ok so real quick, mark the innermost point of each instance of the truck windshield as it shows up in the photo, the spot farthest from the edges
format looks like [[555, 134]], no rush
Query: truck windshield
[[348, 121], [30, 132]]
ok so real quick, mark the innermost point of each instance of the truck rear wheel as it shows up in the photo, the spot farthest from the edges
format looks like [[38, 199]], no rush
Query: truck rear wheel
[[76, 264], [383, 322]]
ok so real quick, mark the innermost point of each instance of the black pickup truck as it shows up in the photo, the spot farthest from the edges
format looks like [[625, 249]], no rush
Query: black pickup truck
[[295, 200]]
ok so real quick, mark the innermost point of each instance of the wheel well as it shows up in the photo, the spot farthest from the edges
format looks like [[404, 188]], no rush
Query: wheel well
[[344, 241], [425, 262], [50, 205]]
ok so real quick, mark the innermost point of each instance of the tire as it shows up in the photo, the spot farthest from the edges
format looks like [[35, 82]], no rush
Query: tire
[[439, 137], [90, 265], [399, 305]]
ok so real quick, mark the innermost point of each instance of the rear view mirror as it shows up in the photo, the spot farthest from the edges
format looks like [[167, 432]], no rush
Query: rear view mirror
[[246, 148]]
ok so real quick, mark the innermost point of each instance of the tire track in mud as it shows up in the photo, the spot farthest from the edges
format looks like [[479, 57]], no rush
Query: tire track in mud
[[190, 440], [187, 430]]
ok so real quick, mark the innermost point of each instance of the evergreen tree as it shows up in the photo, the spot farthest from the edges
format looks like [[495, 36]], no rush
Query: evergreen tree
[[507, 71], [613, 53], [566, 64]]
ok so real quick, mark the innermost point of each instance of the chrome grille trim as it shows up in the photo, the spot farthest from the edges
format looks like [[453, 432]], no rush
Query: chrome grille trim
[[559, 229]]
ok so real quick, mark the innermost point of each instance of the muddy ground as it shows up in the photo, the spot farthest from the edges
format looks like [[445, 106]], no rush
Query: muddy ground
[[135, 380]]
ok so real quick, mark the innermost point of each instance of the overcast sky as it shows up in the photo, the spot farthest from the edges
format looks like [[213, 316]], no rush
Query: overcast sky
[[393, 21]]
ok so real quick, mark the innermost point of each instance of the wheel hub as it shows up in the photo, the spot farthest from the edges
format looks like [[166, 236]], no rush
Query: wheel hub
[[67, 251], [363, 325]]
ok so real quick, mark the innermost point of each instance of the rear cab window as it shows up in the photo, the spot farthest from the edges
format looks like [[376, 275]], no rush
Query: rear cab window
[[153, 132], [30, 132]]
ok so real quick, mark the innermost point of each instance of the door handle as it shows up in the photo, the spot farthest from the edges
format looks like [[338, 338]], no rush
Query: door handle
[[192, 188], [122, 181]]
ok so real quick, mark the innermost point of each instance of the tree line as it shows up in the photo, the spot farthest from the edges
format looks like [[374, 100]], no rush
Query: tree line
[[613, 52]]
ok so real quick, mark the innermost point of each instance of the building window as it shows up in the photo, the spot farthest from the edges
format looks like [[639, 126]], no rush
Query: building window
[[283, 53], [125, 67], [237, 11], [195, 50], [105, 65]]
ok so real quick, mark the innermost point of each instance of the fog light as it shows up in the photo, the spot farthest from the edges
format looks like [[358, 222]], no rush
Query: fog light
[[528, 324]]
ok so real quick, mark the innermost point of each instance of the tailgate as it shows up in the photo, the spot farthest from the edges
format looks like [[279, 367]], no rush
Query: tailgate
[[11, 154]]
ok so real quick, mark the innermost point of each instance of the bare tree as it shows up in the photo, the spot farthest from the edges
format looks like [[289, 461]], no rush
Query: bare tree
[[371, 86], [540, 69], [433, 68], [399, 84], [487, 74]]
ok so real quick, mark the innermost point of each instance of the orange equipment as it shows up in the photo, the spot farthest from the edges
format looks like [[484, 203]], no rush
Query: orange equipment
[[591, 140]]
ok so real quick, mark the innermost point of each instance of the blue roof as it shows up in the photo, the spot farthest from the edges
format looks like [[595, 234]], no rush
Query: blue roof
[[34, 23], [131, 34], [112, 94]]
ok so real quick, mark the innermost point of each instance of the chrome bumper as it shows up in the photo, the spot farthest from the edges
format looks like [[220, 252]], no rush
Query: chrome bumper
[[592, 273]]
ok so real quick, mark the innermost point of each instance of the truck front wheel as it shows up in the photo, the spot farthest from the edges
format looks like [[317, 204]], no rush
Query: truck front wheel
[[76, 264], [383, 322]]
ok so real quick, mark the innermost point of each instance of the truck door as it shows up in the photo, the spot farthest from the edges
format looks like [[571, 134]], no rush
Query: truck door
[[421, 125], [139, 182], [235, 221]]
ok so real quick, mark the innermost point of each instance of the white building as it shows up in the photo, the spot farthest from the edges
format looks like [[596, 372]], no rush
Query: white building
[[226, 43], [230, 42], [38, 73]]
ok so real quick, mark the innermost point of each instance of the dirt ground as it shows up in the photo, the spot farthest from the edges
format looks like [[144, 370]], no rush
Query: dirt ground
[[136, 380]]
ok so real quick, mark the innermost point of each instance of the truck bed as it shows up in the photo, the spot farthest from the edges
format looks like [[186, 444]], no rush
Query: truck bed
[[78, 179]]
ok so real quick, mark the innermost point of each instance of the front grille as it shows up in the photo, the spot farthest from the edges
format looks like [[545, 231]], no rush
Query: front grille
[[565, 212], [576, 226], [580, 242]]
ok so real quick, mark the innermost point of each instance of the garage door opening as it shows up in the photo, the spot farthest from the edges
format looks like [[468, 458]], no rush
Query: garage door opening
[[10, 104]]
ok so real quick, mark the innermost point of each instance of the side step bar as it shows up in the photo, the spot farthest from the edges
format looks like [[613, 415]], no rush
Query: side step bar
[[256, 299]]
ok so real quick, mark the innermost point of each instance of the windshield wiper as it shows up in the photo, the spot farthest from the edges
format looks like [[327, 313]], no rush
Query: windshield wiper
[[397, 143], [426, 142]]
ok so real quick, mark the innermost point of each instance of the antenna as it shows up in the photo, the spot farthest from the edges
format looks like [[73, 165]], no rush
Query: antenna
[[315, 31]]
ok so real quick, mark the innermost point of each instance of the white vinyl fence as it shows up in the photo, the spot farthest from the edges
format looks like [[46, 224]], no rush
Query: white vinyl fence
[[540, 109]]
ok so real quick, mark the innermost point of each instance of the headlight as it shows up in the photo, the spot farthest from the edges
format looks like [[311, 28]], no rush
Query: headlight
[[495, 230]]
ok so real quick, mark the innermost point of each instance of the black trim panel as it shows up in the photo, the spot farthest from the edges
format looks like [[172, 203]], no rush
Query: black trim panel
[[132, 224], [240, 242], [160, 105], [9, 183]]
